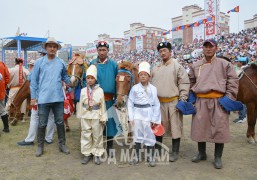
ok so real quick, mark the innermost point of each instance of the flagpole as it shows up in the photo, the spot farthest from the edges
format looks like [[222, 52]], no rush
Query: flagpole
[[238, 23]]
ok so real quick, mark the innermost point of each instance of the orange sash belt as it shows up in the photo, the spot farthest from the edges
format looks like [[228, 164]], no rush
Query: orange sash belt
[[211, 94], [108, 96], [165, 100]]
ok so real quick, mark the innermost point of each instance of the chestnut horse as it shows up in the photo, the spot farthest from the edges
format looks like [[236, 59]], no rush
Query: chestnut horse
[[127, 76], [15, 107], [247, 94], [77, 69]]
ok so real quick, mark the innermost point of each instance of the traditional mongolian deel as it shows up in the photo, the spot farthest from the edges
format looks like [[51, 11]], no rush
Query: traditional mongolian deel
[[144, 107], [91, 115], [211, 81], [175, 78]]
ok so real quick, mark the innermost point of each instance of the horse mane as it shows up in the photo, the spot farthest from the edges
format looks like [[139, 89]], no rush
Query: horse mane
[[253, 67], [126, 65], [82, 56]]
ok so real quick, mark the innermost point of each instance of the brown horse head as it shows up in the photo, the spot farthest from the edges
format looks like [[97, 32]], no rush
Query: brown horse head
[[77, 67], [127, 76], [14, 114], [22, 94]]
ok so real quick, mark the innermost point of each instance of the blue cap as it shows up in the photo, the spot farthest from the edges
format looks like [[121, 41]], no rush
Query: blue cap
[[242, 59], [211, 41]]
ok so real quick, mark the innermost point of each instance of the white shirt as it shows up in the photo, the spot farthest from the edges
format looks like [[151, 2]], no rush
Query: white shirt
[[139, 95]]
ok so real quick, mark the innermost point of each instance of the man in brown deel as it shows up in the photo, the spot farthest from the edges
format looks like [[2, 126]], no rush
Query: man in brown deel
[[210, 79], [172, 83]]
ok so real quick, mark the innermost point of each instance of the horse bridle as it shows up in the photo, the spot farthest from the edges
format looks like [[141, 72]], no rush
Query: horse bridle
[[244, 73], [73, 72], [131, 80], [75, 75], [15, 114]]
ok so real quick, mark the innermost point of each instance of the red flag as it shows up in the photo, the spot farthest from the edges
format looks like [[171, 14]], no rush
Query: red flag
[[236, 9]]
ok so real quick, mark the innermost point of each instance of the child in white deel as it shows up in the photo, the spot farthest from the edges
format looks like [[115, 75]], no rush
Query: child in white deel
[[144, 110], [93, 115]]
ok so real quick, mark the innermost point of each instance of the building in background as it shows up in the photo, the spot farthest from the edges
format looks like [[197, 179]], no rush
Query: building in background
[[251, 23], [10, 56], [141, 37], [192, 15], [116, 46]]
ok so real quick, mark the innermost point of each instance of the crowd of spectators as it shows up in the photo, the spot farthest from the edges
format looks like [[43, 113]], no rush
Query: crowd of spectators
[[232, 46]]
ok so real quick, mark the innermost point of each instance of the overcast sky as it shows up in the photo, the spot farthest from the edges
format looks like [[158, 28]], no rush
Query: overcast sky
[[77, 22]]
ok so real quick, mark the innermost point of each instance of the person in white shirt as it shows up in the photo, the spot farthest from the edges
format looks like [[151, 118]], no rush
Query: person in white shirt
[[144, 111]]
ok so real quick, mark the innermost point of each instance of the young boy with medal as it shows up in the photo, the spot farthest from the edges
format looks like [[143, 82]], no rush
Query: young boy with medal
[[93, 115]]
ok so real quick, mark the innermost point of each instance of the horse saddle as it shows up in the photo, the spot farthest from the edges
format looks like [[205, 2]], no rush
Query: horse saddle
[[76, 60], [229, 104], [186, 107]]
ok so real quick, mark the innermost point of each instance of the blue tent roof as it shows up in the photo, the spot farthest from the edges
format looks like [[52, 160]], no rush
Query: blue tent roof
[[24, 43], [27, 43]]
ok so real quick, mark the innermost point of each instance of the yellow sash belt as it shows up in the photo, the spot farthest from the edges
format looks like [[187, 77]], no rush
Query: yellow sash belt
[[165, 100], [211, 94]]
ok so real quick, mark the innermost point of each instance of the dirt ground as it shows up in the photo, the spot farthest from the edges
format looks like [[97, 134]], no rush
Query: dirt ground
[[239, 159]]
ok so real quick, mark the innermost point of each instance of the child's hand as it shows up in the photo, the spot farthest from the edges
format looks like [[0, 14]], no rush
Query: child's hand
[[153, 124], [103, 122]]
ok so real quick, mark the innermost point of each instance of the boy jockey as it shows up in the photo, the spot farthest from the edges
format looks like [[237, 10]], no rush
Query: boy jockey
[[93, 115], [144, 111]]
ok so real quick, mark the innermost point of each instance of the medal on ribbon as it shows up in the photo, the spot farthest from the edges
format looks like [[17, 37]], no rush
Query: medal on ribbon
[[90, 98]]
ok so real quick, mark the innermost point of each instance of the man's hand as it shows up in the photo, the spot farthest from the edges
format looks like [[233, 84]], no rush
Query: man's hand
[[153, 124], [33, 102]]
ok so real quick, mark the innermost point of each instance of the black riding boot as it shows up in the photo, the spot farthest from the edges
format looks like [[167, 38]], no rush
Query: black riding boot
[[135, 160], [202, 153], [109, 145], [150, 154], [62, 140], [175, 150], [158, 143], [5, 122], [217, 154], [40, 139]]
